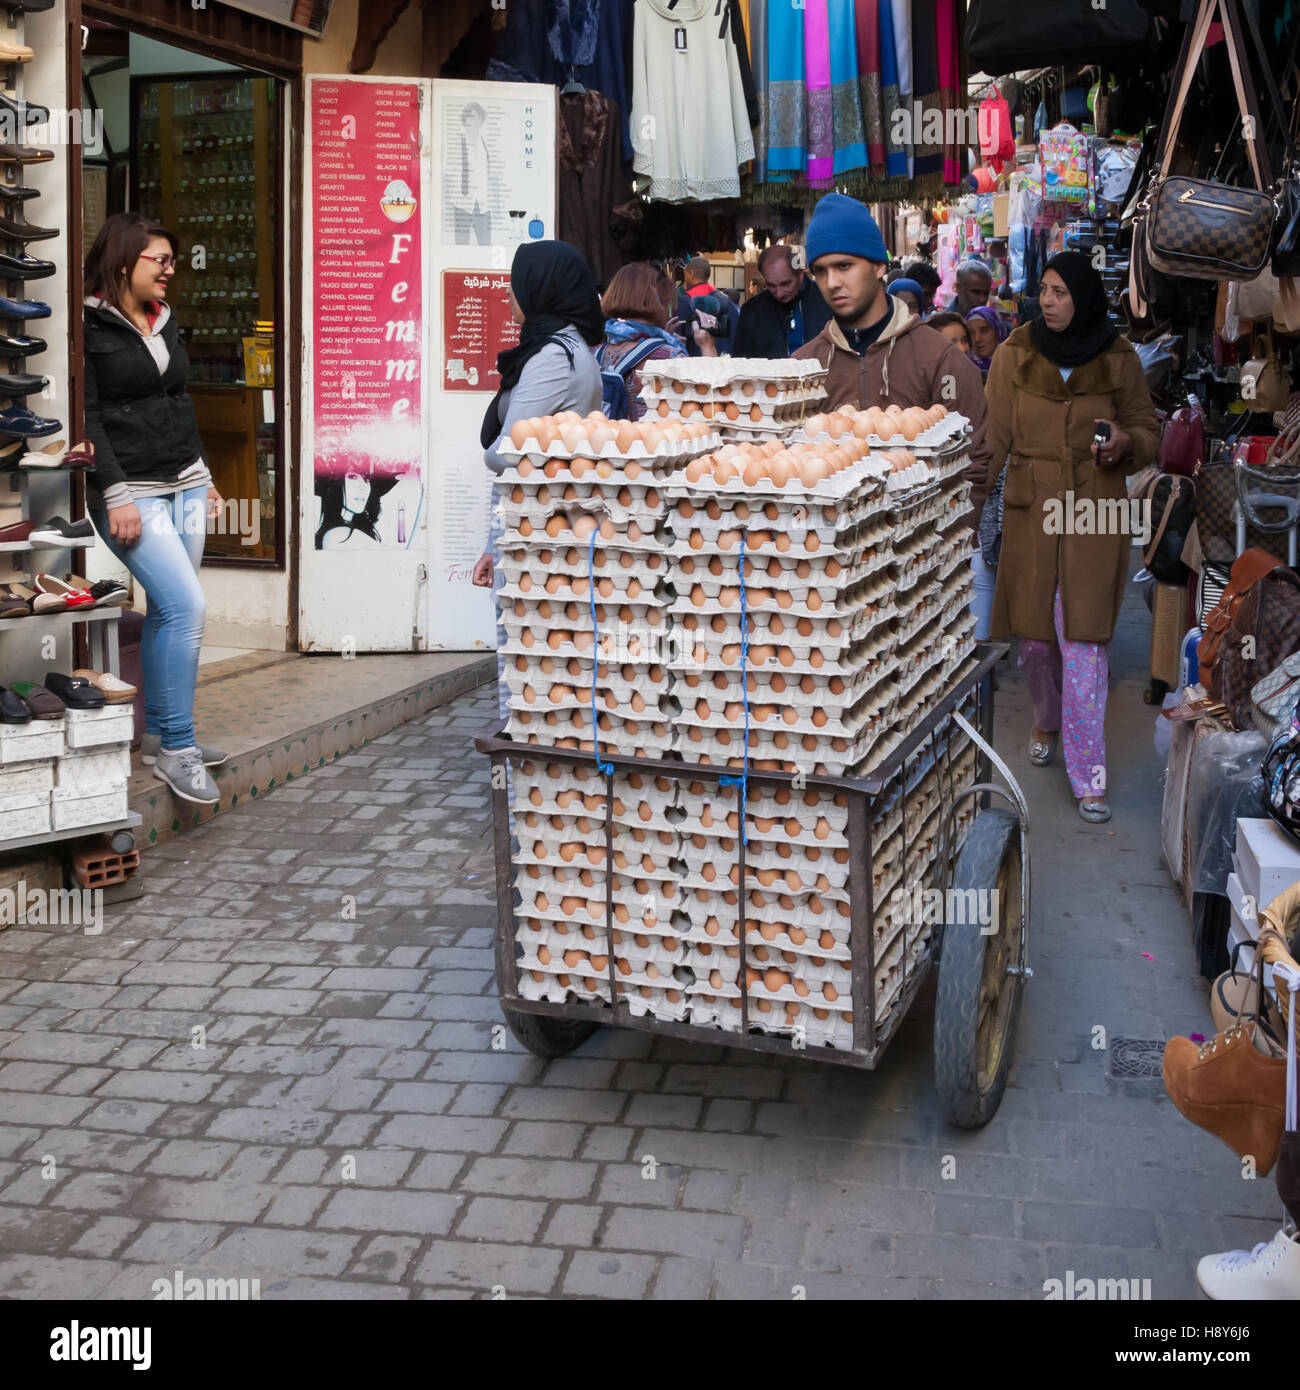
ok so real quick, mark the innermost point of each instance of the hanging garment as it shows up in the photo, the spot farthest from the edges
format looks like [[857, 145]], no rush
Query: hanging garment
[[787, 115], [900, 12], [867, 35], [928, 136], [817, 79], [757, 25], [740, 39], [584, 38], [846, 104], [690, 126], [896, 117], [591, 178], [952, 92]]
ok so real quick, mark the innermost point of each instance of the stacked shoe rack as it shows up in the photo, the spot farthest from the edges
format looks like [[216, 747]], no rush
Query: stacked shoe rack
[[34, 645]]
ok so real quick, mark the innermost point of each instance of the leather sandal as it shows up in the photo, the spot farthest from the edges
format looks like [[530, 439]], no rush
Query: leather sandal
[[39, 602], [1040, 751], [1094, 809], [11, 606]]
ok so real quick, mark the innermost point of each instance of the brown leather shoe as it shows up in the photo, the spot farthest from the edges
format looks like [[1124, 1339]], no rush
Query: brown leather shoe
[[1231, 1089]]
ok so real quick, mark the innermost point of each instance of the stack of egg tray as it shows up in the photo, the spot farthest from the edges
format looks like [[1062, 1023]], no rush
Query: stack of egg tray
[[553, 500], [819, 601], [746, 397], [565, 880]]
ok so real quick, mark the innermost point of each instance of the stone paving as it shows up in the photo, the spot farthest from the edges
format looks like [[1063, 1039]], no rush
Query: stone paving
[[340, 1125]]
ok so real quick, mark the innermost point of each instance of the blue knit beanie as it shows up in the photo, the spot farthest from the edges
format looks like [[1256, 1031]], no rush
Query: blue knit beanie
[[840, 223]]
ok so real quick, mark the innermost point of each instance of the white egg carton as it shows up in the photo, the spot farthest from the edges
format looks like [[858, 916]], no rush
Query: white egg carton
[[730, 373], [787, 408], [608, 562], [813, 828], [565, 699], [533, 739], [649, 903], [778, 572], [667, 453], [863, 476], [740, 513]]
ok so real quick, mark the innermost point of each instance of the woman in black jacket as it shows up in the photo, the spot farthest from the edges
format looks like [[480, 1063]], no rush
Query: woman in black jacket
[[151, 493]]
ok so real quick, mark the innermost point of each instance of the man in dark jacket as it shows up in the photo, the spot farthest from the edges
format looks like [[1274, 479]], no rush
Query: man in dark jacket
[[789, 313]]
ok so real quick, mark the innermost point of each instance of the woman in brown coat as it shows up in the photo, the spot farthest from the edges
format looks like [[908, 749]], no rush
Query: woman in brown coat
[[1055, 385]]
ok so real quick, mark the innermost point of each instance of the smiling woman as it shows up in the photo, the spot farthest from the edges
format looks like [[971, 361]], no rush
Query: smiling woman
[[151, 487]]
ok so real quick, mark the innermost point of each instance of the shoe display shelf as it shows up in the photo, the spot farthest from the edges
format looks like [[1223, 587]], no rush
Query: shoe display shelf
[[65, 778]]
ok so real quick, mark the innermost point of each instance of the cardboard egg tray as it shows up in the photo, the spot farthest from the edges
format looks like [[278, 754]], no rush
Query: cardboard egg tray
[[528, 520], [935, 437], [788, 752], [795, 577], [668, 455], [609, 562], [787, 409], [547, 618], [741, 375], [721, 689], [532, 581], [618, 685], [720, 513], [767, 863], [948, 466], [620, 539], [861, 480]]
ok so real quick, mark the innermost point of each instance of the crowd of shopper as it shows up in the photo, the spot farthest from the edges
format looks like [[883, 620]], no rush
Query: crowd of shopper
[[1057, 406]]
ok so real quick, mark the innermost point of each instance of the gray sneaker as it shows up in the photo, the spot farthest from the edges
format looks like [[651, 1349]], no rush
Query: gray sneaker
[[185, 774], [151, 746]]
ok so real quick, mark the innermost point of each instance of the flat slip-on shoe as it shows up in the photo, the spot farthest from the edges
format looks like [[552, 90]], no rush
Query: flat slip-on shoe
[[77, 594], [11, 52], [12, 708], [18, 345], [27, 112], [24, 267], [114, 691], [20, 423], [21, 383], [11, 606], [1232, 1090], [25, 154], [20, 229], [56, 531], [51, 456], [75, 691], [20, 531], [42, 703], [23, 308], [39, 602]]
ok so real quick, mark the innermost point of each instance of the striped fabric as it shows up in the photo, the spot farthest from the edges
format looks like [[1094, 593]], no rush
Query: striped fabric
[[868, 44]]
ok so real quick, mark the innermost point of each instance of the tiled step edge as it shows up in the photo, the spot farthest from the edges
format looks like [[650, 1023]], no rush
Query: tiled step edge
[[262, 769]]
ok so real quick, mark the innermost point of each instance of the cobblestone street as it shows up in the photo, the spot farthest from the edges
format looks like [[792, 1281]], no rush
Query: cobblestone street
[[346, 1129]]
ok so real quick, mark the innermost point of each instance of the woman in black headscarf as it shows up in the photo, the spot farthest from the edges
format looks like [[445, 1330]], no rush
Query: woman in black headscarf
[[553, 368], [1069, 417]]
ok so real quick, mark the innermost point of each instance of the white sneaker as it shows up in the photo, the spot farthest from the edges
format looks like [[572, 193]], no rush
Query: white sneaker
[[1270, 1272]]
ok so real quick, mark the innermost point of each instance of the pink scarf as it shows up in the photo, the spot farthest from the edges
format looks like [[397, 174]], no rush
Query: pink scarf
[[817, 81]]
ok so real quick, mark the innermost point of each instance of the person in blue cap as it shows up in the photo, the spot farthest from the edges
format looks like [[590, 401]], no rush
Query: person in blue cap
[[877, 350], [909, 291]]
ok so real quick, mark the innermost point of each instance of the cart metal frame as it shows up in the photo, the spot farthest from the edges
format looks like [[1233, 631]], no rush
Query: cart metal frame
[[972, 693]]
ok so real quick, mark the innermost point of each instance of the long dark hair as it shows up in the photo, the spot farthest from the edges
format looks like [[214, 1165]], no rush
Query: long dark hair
[[331, 494], [120, 244]]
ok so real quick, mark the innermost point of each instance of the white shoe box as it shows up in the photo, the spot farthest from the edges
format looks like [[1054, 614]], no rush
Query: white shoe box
[[25, 815], [89, 766], [26, 779], [1268, 860], [1246, 919], [92, 728], [25, 743], [96, 804]]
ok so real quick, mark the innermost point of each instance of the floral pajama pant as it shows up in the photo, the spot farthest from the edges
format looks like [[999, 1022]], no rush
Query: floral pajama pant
[[1067, 683]]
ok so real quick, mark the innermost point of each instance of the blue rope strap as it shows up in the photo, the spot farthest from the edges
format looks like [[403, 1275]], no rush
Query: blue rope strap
[[606, 768], [743, 780]]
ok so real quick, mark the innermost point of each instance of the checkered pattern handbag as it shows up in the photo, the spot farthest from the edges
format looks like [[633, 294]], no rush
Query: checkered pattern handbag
[[1196, 227]]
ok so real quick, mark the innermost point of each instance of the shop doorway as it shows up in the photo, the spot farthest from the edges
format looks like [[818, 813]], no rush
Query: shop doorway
[[195, 142]]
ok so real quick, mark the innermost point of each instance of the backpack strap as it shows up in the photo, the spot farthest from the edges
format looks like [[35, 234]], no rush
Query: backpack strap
[[634, 358]]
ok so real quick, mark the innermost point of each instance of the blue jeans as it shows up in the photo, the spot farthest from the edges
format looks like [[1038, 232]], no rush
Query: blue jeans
[[165, 562]]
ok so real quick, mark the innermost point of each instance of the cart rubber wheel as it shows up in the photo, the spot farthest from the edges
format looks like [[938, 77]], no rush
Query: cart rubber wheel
[[549, 1037], [977, 1003]]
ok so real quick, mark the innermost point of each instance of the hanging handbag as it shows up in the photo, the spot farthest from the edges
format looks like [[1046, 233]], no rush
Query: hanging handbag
[[1274, 699], [1182, 439], [1171, 505], [1197, 227], [1263, 631], [1253, 565], [1265, 382]]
